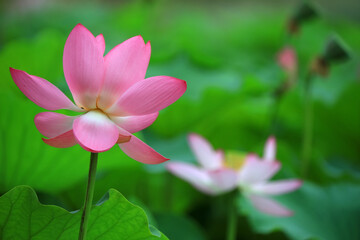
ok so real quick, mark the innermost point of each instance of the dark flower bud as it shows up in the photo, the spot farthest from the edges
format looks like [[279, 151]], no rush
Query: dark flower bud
[[303, 13], [335, 50]]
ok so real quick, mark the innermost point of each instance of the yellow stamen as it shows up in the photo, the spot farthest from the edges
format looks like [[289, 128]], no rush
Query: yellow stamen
[[234, 159]]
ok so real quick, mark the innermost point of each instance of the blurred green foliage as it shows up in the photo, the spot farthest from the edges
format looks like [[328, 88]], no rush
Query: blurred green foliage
[[227, 56], [321, 213]]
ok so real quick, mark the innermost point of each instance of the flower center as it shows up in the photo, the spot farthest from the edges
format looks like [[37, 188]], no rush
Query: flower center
[[97, 115], [235, 160]]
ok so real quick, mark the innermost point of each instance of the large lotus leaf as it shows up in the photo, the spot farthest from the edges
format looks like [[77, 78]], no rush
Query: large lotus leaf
[[322, 213], [22, 217]]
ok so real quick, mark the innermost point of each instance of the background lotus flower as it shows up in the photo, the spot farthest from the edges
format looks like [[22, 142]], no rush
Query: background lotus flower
[[212, 176], [110, 91], [254, 181], [287, 59]]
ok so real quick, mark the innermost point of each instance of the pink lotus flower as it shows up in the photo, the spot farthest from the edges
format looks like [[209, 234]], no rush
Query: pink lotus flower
[[212, 177], [111, 93], [253, 181], [287, 59]]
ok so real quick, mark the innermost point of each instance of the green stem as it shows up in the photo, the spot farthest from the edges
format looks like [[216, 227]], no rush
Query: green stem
[[232, 217], [274, 115], [88, 197], [308, 125]]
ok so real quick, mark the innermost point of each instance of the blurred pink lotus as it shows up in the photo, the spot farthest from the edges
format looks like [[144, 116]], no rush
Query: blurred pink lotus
[[287, 59], [212, 176], [253, 180], [111, 93]]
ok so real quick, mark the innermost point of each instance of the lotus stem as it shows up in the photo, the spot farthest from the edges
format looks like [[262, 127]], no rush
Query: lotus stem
[[232, 217], [308, 124], [88, 196]]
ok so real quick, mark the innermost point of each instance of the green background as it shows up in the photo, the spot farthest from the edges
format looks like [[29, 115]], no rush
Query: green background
[[226, 51]]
